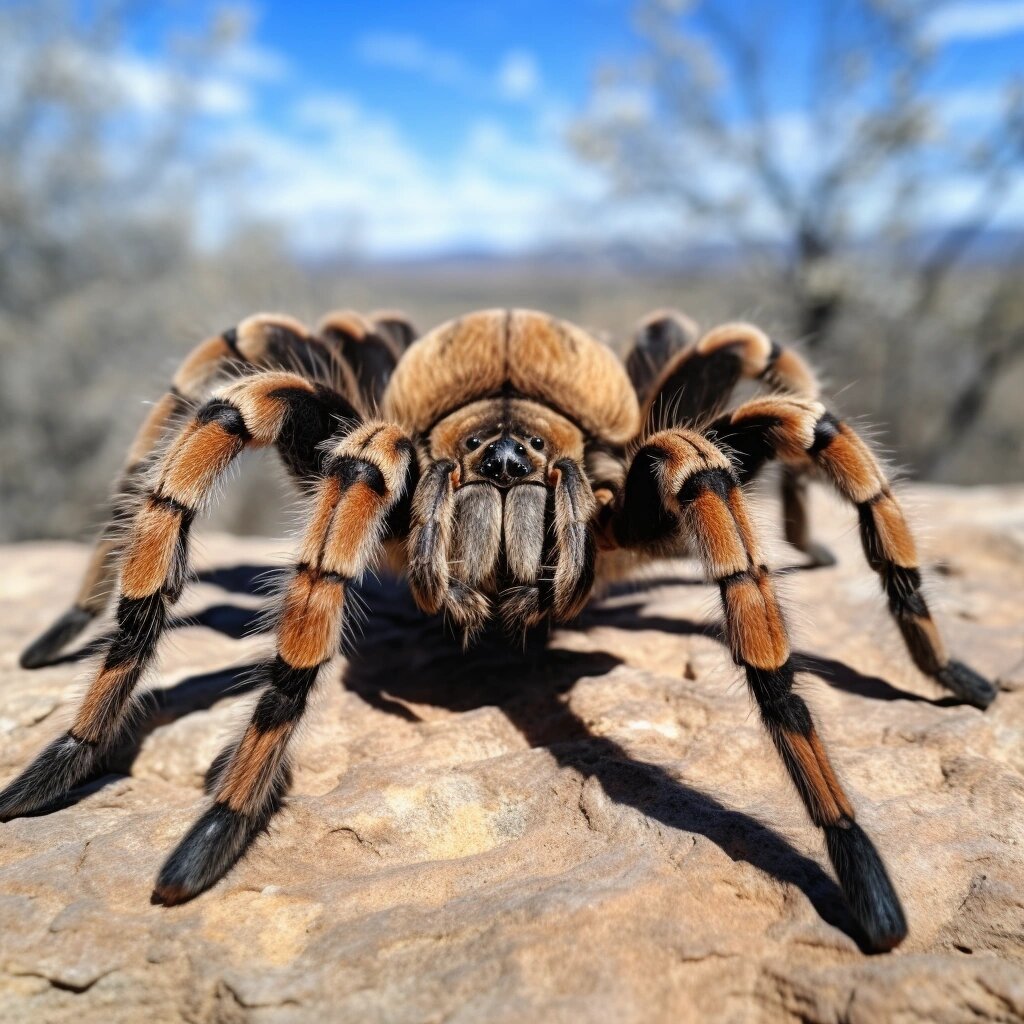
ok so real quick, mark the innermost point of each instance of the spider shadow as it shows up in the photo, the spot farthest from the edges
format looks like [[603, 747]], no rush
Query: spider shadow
[[238, 621], [154, 709], [403, 659], [630, 616], [235, 621]]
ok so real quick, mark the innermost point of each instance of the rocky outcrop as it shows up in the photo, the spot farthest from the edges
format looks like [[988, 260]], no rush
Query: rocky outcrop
[[598, 833]]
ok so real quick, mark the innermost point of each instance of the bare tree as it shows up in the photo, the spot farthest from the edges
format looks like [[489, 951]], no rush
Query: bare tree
[[823, 152], [98, 187]]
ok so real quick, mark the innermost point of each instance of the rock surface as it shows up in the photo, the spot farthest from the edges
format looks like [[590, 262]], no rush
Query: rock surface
[[599, 834]]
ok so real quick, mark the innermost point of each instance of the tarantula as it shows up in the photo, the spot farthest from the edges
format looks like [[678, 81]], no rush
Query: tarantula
[[513, 462]]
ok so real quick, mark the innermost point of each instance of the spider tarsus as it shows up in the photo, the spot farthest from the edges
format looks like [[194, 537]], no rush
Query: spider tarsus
[[209, 850], [58, 768], [866, 885], [169, 896], [968, 685], [52, 641]]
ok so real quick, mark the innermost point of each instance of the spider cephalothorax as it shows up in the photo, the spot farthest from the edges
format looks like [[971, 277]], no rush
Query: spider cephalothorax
[[513, 462]]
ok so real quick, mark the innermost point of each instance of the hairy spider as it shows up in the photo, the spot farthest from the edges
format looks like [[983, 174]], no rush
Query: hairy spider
[[514, 460]]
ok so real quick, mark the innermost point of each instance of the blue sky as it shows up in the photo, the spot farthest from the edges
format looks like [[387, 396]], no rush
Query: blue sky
[[403, 128]]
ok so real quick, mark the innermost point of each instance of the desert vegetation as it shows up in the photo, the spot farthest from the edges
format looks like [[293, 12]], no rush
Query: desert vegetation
[[106, 278]]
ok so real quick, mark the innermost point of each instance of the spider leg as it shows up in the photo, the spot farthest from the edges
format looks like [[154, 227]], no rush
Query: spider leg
[[371, 346], [796, 520], [395, 325], [368, 474], [802, 433], [256, 412], [679, 479], [263, 341], [659, 337], [697, 381]]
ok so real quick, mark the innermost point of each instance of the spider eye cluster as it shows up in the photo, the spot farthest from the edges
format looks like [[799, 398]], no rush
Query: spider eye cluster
[[536, 443]]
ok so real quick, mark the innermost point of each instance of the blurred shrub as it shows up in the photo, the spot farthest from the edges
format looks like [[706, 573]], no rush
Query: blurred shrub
[[103, 289]]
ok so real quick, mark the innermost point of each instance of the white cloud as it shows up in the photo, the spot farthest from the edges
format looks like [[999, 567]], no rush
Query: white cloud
[[327, 111], [518, 75], [255, 63], [336, 176], [516, 78], [410, 53], [353, 173], [981, 19], [220, 97], [333, 175]]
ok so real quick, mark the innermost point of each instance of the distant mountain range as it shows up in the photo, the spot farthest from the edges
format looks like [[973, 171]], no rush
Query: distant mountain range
[[995, 247]]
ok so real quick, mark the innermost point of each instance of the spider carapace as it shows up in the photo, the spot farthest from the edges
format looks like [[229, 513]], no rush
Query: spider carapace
[[504, 461]]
